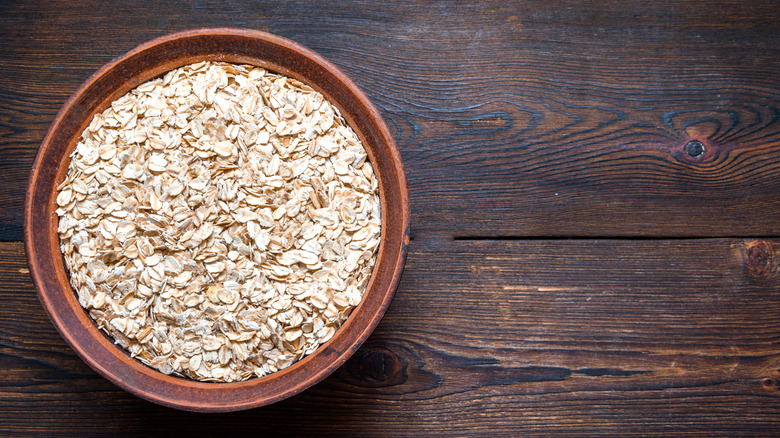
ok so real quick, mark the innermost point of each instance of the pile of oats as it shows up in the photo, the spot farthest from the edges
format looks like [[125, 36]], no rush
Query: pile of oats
[[220, 222]]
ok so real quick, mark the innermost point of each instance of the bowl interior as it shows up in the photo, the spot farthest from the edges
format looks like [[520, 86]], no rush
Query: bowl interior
[[140, 65]]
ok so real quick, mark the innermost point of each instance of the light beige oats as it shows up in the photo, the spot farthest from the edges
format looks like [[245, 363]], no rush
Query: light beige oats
[[220, 222]]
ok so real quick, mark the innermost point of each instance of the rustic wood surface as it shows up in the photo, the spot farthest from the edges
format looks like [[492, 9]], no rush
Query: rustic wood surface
[[595, 196]]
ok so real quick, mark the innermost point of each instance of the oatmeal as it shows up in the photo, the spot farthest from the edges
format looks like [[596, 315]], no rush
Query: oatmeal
[[220, 222]]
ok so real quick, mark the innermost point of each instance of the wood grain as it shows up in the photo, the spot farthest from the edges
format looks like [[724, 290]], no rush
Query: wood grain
[[542, 337], [521, 119]]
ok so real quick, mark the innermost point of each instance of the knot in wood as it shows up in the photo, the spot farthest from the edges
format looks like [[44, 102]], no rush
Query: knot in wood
[[759, 259], [694, 148], [377, 367]]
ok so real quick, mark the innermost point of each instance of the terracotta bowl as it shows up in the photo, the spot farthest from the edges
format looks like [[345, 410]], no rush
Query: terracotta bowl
[[140, 65]]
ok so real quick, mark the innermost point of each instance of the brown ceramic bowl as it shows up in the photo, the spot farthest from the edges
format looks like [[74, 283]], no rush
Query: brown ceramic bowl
[[140, 65]]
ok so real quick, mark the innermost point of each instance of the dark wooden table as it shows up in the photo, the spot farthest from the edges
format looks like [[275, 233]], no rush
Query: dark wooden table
[[595, 196]]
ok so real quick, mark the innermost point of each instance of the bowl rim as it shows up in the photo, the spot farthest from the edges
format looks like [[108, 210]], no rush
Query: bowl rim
[[182, 391]]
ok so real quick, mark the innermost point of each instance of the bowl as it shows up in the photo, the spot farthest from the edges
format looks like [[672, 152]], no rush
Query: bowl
[[141, 64]]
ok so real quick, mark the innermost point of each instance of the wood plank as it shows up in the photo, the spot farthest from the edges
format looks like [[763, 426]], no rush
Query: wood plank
[[559, 338], [513, 119]]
